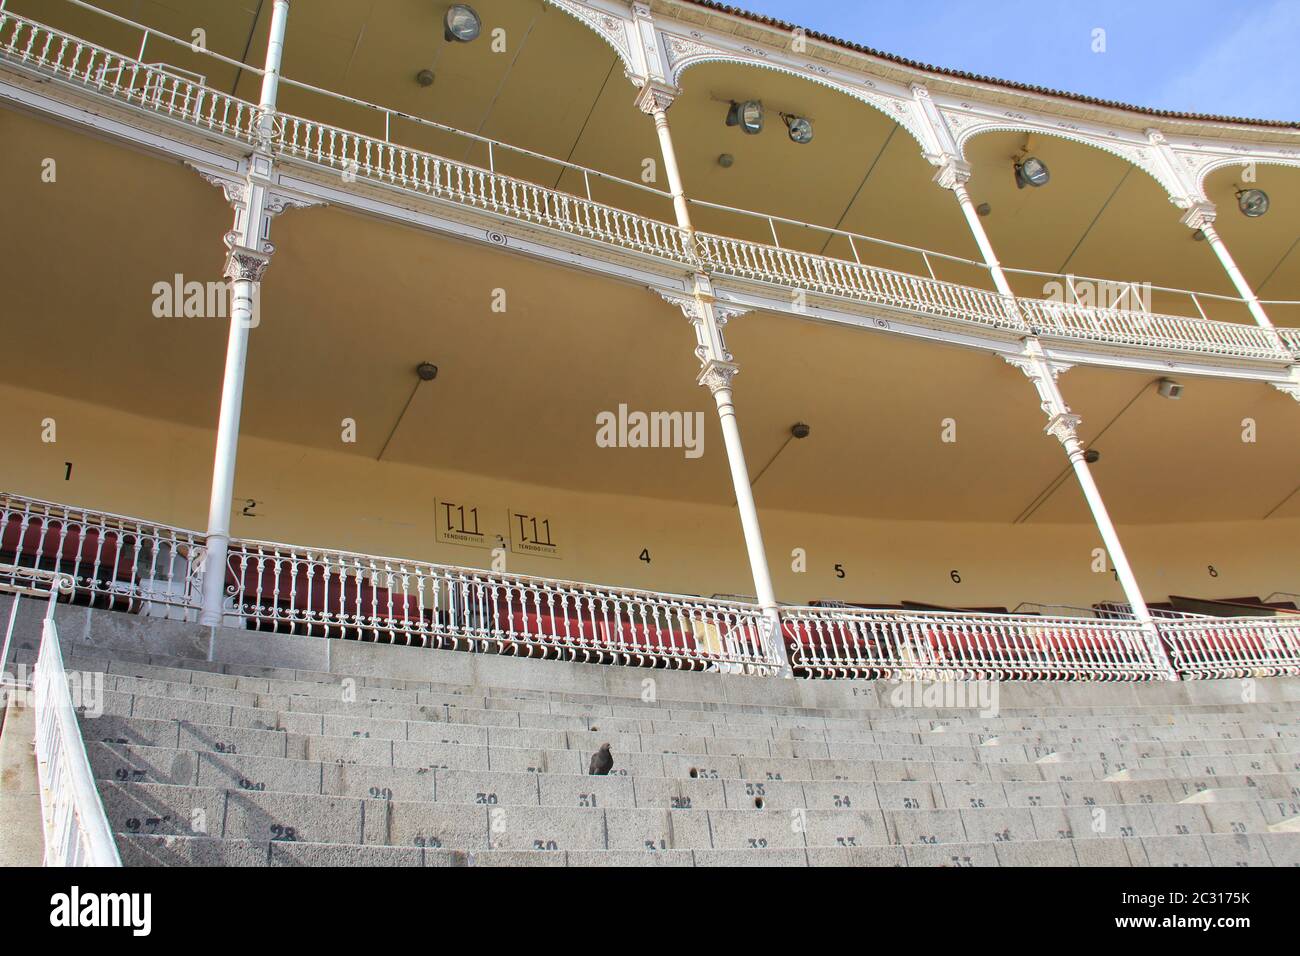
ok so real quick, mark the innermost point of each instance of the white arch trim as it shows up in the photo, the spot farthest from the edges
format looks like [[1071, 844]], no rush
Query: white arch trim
[[686, 52]]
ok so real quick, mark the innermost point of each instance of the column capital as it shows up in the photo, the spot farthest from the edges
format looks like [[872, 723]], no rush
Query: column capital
[[655, 98], [1064, 427], [1199, 215], [243, 263], [952, 172], [716, 375]]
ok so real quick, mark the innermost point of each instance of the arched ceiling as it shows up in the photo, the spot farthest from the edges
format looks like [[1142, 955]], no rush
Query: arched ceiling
[[351, 304]]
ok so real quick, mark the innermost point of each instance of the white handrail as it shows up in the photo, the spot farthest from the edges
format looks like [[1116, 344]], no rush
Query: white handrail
[[76, 828]]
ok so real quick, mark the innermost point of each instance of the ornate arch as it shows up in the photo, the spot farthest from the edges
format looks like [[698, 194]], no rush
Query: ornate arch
[[607, 26], [686, 52], [1200, 166], [1141, 155]]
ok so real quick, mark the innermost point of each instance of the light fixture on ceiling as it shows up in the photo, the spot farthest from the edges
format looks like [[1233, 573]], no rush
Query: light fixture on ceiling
[[800, 127], [1092, 456], [1253, 203], [800, 430], [1170, 389], [1031, 171], [424, 78], [983, 209], [461, 24], [725, 160], [1199, 235], [748, 115], [427, 371]]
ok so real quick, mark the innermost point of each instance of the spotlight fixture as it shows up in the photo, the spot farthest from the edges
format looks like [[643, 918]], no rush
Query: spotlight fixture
[[1031, 171], [1199, 235], [983, 209], [427, 371], [461, 24], [1253, 203], [800, 127], [725, 160], [800, 430], [747, 115], [424, 78], [1170, 389], [1092, 456]]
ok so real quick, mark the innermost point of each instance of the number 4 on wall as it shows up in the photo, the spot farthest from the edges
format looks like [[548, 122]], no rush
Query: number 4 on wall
[[645, 555]]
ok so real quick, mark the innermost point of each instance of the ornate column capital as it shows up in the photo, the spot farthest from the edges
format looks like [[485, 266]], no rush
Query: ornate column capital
[[952, 172], [1064, 427], [655, 98], [247, 264], [1199, 215], [716, 375]]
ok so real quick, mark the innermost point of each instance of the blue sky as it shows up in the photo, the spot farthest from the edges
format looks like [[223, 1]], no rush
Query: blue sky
[[1234, 57]]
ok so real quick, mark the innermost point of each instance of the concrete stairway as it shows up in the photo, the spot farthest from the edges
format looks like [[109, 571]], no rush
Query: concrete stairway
[[234, 747]]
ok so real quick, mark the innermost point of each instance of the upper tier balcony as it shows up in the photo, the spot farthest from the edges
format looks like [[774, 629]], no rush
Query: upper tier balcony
[[941, 290]]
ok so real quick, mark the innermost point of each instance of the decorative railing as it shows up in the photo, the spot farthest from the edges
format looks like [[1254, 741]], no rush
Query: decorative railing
[[112, 561], [882, 287], [857, 643], [163, 93], [1201, 647], [354, 154], [107, 73], [1150, 329], [76, 828], [276, 587]]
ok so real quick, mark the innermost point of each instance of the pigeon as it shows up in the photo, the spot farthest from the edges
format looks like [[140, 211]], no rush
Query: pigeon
[[602, 762]]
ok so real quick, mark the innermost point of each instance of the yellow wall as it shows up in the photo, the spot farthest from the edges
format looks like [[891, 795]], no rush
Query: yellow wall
[[161, 471]]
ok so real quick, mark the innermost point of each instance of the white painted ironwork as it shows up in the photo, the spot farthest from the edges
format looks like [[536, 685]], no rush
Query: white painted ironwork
[[1241, 647], [371, 158], [76, 828], [137, 566], [111, 561], [857, 643], [276, 587], [826, 276], [155, 88], [1130, 327]]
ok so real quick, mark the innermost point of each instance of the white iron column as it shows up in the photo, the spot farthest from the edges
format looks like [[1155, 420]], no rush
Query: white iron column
[[249, 254], [718, 369], [655, 100], [953, 175], [1201, 216], [1063, 425]]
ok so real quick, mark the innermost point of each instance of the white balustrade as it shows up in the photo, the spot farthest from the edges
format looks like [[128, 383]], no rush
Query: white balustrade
[[836, 642], [137, 566]]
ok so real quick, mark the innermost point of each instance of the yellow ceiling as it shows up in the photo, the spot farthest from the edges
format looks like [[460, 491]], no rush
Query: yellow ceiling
[[352, 304]]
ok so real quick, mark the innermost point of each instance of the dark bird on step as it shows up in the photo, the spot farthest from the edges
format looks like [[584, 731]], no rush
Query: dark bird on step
[[602, 762]]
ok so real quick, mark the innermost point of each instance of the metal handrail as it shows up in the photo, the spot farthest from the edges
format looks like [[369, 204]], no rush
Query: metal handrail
[[77, 832]]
